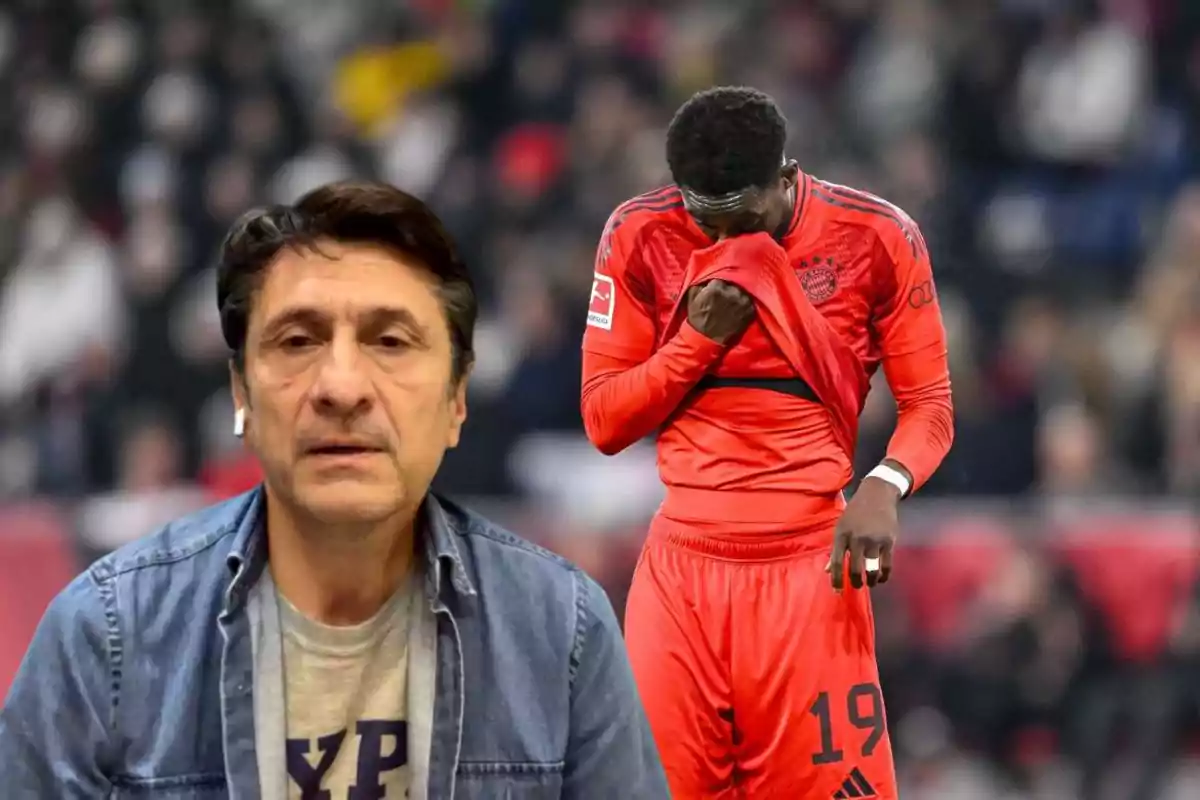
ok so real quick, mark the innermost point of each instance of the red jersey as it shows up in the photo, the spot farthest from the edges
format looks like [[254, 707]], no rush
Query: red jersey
[[860, 261]]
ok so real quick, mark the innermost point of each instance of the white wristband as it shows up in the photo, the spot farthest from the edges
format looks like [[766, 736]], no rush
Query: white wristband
[[893, 476]]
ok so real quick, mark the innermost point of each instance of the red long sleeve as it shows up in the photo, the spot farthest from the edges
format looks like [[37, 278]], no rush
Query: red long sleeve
[[624, 401], [913, 345], [630, 387], [920, 382]]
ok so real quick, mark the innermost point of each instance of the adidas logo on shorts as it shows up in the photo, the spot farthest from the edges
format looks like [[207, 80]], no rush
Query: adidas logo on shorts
[[856, 785]]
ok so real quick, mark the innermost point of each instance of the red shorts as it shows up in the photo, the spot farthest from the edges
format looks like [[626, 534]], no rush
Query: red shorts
[[759, 680]]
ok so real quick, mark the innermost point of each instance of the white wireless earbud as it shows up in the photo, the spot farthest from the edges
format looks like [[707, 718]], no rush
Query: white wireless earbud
[[239, 422]]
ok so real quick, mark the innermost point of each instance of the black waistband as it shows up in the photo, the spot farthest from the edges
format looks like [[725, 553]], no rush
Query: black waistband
[[794, 387]]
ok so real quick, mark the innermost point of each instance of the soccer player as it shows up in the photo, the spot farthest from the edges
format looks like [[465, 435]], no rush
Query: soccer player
[[740, 313]]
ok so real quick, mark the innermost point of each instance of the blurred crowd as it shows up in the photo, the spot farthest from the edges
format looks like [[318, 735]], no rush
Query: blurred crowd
[[1048, 148]]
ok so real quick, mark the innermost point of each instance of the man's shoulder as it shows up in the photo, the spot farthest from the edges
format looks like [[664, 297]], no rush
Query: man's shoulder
[[659, 209], [864, 212], [663, 203], [501, 560], [207, 533], [485, 536]]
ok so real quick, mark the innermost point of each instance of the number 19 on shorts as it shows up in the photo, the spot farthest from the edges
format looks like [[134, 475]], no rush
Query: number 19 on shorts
[[863, 706]]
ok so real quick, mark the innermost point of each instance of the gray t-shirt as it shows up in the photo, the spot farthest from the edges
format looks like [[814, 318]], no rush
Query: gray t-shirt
[[332, 704]]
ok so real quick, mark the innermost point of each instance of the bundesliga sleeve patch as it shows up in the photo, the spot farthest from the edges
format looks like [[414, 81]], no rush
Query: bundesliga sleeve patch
[[600, 308]]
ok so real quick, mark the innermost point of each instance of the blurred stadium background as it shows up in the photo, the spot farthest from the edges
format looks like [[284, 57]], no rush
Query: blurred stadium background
[[1043, 637]]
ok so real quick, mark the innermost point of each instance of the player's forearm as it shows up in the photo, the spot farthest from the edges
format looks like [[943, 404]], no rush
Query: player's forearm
[[623, 403], [924, 432]]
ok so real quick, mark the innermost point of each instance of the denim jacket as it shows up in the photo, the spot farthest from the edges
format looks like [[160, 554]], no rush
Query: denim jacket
[[138, 682]]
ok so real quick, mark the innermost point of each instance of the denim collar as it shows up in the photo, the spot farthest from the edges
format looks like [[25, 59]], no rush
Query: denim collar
[[248, 555]]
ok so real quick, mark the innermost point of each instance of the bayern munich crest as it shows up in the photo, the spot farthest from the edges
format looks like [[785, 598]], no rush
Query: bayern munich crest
[[819, 280]]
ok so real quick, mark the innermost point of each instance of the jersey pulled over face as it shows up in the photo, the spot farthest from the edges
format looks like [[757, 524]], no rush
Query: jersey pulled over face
[[860, 261]]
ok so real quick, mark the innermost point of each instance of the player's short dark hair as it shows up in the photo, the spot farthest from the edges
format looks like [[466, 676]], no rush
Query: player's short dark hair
[[726, 139], [352, 212]]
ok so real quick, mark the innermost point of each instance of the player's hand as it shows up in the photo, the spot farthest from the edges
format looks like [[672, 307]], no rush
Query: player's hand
[[867, 530], [719, 310]]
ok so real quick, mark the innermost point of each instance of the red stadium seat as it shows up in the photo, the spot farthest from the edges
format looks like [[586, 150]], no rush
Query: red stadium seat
[[36, 562], [941, 577], [1137, 572]]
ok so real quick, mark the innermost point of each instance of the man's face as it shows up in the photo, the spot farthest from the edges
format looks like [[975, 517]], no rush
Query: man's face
[[763, 210], [349, 400]]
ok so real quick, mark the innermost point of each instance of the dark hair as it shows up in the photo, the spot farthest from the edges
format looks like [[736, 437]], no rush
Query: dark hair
[[348, 212], [726, 139]]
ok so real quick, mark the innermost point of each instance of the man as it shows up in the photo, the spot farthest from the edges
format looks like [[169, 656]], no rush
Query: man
[[341, 633], [740, 313]]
